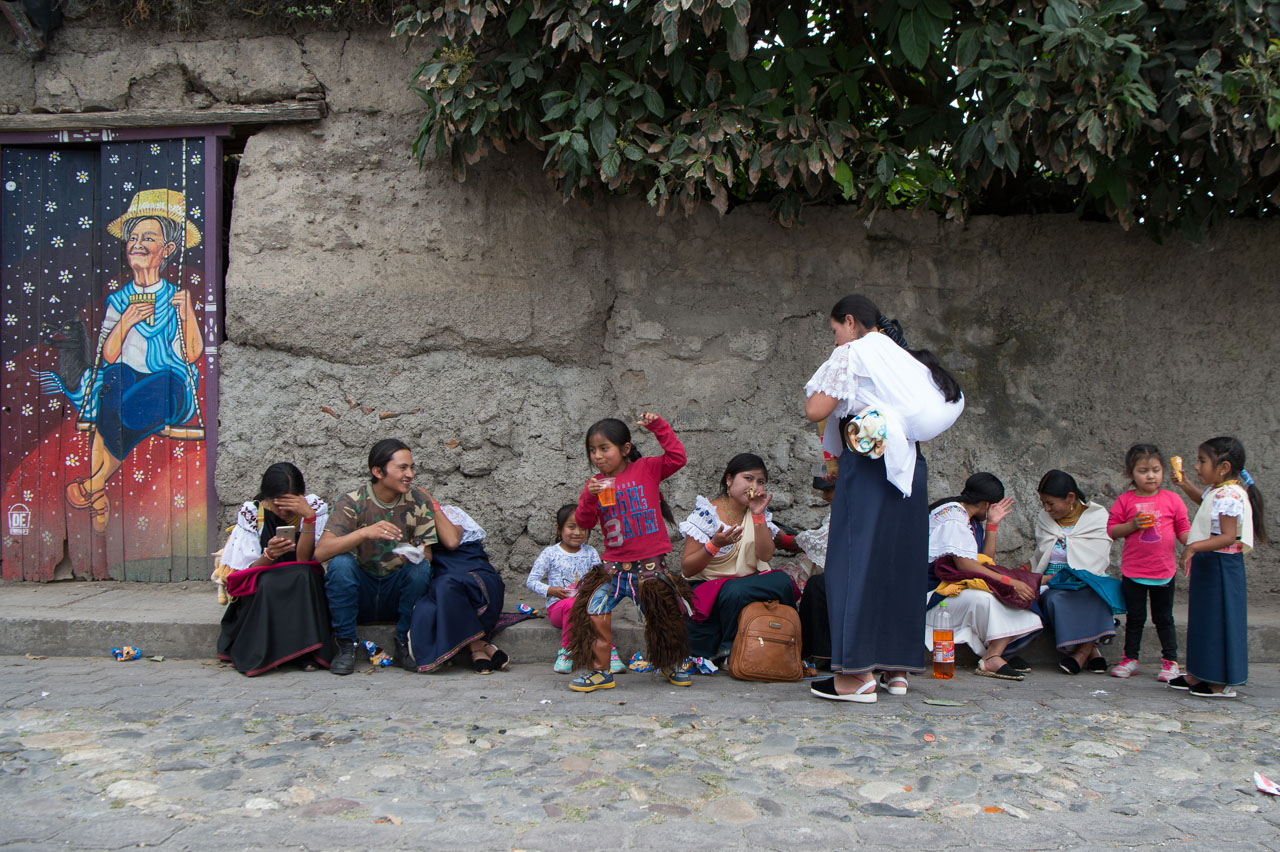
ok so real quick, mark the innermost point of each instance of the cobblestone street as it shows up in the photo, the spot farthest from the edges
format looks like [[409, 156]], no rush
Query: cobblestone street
[[183, 755]]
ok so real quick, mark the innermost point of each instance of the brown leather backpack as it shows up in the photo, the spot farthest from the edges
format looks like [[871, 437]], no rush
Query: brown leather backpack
[[767, 646]]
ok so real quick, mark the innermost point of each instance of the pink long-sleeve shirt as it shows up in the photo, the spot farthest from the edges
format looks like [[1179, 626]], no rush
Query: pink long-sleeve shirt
[[633, 527]]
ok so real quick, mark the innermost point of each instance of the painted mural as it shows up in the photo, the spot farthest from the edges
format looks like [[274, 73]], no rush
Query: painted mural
[[106, 361]]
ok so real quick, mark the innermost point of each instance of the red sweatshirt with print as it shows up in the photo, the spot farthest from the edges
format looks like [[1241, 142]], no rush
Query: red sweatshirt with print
[[633, 527]]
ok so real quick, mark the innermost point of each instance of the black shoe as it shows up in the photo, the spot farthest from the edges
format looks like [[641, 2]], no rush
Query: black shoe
[[403, 658], [1018, 664], [1179, 682], [1097, 665], [344, 662]]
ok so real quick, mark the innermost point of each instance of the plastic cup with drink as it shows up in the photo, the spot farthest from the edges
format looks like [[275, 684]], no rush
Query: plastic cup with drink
[[606, 495]]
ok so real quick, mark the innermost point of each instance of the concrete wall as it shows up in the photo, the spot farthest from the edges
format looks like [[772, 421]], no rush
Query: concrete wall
[[488, 323]]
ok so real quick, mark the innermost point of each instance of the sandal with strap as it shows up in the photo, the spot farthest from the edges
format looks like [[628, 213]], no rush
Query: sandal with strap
[[826, 688], [78, 497], [501, 662], [896, 685], [99, 511]]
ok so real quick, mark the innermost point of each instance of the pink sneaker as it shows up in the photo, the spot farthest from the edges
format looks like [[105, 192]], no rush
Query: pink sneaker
[[1125, 668], [1168, 671]]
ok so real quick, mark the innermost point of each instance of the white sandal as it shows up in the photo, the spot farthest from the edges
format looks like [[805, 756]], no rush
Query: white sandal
[[888, 683], [865, 694]]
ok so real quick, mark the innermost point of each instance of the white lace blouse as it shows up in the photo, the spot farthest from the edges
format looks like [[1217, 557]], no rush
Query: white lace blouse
[[950, 533]]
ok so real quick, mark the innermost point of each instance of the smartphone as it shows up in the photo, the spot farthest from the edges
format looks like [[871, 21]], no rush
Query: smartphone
[[289, 532]]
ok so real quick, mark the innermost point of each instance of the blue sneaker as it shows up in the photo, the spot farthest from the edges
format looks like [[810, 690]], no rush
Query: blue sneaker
[[677, 677], [591, 681], [563, 665]]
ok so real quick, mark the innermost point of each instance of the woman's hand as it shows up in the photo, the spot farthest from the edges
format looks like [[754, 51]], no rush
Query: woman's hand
[[381, 531], [278, 546], [726, 536], [557, 592], [136, 313], [1021, 589], [999, 511], [758, 501], [294, 504]]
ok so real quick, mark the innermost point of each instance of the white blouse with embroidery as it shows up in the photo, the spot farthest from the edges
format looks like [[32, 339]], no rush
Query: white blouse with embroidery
[[244, 545], [874, 371], [471, 531], [950, 533], [704, 521]]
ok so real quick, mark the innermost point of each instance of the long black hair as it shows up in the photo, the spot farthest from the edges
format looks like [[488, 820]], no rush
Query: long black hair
[[741, 463], [278, 480], [1057, 483], [982, 487], [1230, 450], [380, 455], [617, 433], [865, 312]]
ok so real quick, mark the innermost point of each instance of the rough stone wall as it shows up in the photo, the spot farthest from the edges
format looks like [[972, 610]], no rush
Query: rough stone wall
[[487, 323]]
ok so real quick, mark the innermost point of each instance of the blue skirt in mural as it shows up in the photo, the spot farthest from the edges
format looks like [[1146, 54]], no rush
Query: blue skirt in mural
[[1218, 619], [875, 588]]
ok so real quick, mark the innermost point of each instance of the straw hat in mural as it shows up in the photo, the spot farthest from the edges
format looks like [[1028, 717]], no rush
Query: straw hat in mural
[[157, 204]]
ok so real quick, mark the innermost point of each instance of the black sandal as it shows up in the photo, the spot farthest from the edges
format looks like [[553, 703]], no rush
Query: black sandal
[[501, 662], [1097, 665], [1069, 665], [1019, 664], [482, 665]]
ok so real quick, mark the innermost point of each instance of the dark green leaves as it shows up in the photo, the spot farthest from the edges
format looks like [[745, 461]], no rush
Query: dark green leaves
[[1164, 112]]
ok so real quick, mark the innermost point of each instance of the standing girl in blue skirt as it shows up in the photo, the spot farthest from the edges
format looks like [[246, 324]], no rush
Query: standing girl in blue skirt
[[879, 398], [1229, 519]]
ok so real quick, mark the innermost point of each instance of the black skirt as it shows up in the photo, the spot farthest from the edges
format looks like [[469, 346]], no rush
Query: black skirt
[[286, 619]]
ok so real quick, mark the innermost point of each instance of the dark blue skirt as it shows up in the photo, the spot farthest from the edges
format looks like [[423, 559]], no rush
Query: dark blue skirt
[[714, 637], [875, 587], [462, 604], [1218, 619], [1077, 616]]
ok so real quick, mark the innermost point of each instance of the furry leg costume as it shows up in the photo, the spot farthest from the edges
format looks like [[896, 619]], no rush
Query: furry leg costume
[[664, 598]]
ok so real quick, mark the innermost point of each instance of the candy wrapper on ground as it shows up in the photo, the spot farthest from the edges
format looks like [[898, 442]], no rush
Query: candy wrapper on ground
[[1265, 784], [701, 665], [377, 656], [525, 609], [126, 653], [640, 664]]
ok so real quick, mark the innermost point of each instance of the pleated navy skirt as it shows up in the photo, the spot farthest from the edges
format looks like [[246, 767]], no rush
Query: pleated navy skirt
[[877, 544], [1077, 616], [462, 604], [1218, 619]]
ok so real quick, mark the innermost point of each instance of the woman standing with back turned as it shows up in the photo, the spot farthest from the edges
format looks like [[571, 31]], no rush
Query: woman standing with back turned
[[879, 398]]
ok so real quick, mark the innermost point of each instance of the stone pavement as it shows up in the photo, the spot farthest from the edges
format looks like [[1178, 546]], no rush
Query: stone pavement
[[189, 755]]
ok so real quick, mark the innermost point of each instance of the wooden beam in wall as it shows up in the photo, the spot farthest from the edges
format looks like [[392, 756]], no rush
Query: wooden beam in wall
[[278, 113]]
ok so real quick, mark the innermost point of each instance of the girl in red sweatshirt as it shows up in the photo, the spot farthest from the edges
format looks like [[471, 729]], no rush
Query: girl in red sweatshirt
[[624, 499]]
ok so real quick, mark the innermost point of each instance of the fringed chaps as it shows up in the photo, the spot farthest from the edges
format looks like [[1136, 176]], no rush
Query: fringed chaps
[[666, 631]]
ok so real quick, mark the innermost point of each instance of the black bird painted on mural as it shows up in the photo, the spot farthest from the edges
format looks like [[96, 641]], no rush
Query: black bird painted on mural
[[71, 339]]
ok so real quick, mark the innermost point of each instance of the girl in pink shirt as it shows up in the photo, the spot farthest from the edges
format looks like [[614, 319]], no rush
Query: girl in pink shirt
[[1149, 519]]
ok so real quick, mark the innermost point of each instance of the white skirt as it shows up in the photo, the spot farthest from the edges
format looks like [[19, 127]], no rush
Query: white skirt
[[978, 618]]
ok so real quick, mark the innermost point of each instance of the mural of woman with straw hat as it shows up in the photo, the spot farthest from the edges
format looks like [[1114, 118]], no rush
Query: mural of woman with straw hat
[[143, 378]]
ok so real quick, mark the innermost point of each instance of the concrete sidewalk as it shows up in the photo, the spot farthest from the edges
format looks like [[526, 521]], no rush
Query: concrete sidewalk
[[83, 619]]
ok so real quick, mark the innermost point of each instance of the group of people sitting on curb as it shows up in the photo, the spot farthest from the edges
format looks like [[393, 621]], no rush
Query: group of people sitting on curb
[[868, 583]]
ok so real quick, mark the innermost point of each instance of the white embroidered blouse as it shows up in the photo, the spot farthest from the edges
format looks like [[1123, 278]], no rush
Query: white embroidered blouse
[[244, 545]]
